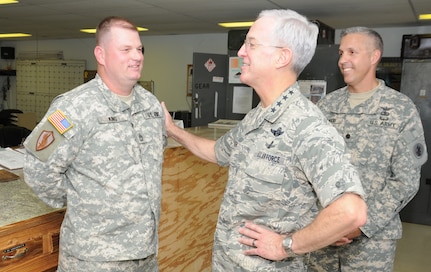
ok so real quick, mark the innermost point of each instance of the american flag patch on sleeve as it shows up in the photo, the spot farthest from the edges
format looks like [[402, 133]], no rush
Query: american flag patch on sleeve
[[60, 122]]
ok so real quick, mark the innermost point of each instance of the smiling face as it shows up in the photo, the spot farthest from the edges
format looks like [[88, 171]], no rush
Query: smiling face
[[120, 57], [257, 53], [124, 53], [358, 59]]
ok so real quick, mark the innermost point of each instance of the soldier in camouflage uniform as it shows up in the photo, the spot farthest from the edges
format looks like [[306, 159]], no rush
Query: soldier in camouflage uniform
[[285, 160], [384, 134], [99, 151]]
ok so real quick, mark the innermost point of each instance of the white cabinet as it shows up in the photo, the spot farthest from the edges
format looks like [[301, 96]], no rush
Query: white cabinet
[[39, 81]]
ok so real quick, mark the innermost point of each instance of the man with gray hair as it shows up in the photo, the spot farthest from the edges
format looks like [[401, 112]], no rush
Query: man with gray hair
[[384, 135], [285, 160]]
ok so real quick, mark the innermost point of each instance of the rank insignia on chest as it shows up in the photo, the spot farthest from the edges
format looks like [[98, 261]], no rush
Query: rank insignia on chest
[[60, 122]]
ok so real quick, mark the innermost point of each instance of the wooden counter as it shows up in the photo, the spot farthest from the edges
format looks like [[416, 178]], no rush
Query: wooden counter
[[31, 245], [29, 229], [191, 194], [192, 190]]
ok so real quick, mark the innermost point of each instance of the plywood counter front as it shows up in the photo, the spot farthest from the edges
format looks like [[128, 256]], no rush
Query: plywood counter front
[[192, 193]]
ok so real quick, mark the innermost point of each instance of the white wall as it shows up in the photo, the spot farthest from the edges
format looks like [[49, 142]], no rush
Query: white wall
[[166, 57]]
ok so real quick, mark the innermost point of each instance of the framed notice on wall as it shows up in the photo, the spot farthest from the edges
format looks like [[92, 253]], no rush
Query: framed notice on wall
[[235, 64], [189, 79], [313, 89], [148, 85]]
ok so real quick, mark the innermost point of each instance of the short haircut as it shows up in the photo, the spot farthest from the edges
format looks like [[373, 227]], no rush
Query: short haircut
[[106, 24], [296, 32], [375, 37]]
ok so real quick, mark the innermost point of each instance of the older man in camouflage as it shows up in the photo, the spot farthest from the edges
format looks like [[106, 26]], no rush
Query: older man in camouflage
[[285, 160], [99, 151], [384, 134]]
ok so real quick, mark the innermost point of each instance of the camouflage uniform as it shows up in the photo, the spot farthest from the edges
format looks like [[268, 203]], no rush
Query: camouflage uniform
[[285, 160], [106, 168], [385, 137]]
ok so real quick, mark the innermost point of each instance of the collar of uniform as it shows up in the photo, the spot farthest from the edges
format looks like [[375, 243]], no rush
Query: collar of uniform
[[274, 111], [258, 115], [114, 103], [340, 98], [141, 101], [371, 105], [117, 105]]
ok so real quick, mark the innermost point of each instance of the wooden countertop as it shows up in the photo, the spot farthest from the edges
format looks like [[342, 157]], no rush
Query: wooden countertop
[[206, 132], [18, 202]]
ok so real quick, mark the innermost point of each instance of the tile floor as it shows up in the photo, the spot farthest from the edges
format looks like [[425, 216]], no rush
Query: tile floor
[[414, 249]]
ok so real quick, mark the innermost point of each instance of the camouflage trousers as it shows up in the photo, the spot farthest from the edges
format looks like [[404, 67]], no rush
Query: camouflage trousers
[[361, 255], [67, 263]]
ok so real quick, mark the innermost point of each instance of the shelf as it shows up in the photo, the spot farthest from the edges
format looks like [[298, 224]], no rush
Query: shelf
[[7, 72]]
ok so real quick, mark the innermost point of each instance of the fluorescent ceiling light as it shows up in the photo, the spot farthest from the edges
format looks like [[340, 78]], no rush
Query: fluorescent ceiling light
[[425, 16], [4, 2], [88, 30], [13, 35], [235, 24], [93, 30]]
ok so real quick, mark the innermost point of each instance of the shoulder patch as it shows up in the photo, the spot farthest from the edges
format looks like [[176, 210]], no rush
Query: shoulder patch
[[415, 142], [45, 139], [60, 122], [418, 150]]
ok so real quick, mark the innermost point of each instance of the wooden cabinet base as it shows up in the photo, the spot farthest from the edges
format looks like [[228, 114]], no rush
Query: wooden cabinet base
[[31, 245], [192, 193]]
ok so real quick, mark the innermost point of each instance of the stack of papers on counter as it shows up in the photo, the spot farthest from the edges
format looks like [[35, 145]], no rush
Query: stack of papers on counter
[[11, 159], [224, 123]]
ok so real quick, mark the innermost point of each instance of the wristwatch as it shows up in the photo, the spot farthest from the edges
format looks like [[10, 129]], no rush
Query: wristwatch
[[287, 245]]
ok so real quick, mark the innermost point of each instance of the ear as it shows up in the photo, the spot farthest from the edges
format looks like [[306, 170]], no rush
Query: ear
[[99, 53], [285, 57], [375, 56]]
